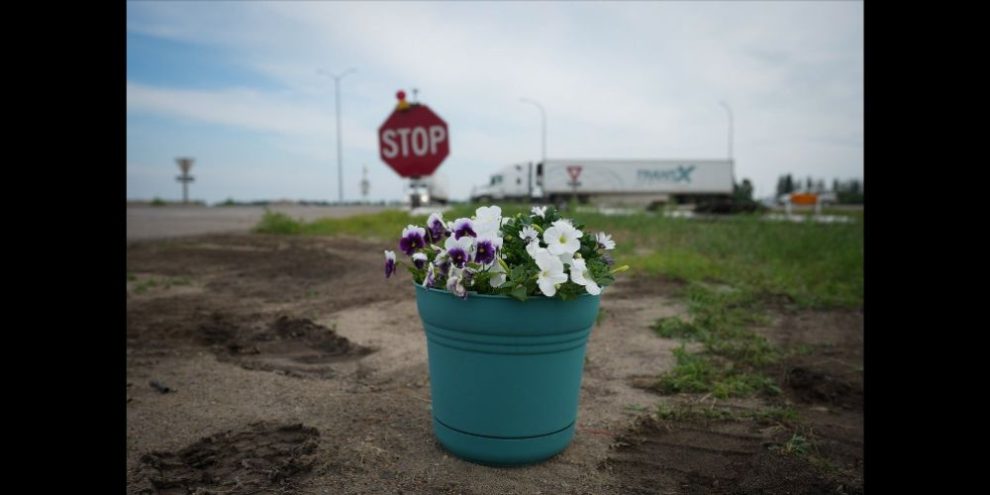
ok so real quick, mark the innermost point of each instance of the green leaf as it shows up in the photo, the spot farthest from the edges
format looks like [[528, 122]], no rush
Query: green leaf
[[519, 292]]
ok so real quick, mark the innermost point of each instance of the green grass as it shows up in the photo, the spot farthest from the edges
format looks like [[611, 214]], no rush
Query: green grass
[[385, 226], [810, 265], [813, 265], [732, 359], [771, 415], [707, 373]]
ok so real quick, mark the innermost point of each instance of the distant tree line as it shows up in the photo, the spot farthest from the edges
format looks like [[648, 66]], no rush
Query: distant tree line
[[846, 192]]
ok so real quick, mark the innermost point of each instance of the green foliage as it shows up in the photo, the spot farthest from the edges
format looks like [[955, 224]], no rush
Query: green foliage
[[732, 356], [703, 373], [772, 415], [812, 265], [278, 223], [808, 264], [521, 271]]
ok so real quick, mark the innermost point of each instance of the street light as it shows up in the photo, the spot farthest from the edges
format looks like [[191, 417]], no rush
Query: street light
[[543, 122], [729, 110], [336, 91]]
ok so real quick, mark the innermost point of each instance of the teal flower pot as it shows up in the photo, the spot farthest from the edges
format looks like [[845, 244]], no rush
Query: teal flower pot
[[505, 375]]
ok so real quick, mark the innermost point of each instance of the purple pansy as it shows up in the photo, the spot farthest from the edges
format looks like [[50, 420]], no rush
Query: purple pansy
[[459, 250], [389, 263], [419, 259], [463, 227], [412, 239], [436, 229], [485, 248]]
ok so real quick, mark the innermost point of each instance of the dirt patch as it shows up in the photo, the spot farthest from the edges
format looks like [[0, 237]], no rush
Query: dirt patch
[[824, 361], [292, 346], [262, 458], [314, 307], [728, 457], [818, 386], [270, 269]]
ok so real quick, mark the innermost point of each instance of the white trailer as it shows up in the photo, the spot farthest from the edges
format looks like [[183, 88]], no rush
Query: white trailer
[[622, 181]]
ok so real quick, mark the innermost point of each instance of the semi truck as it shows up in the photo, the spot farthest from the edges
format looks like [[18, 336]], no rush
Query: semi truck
[[643, 182]]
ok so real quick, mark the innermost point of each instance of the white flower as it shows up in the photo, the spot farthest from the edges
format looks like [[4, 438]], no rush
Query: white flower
[[528, 233], [581, 276], [605, 241], [561, 238], [551, 273], [566, 258], [497, 275], [534, 247], [539, 211], [487, 220]]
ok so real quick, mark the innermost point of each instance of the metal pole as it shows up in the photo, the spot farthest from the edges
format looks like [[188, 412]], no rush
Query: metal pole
[[340, 160], [543, 125], [729, 110], [732, 163]]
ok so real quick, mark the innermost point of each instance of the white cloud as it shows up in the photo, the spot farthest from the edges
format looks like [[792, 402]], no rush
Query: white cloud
[[623, 79]]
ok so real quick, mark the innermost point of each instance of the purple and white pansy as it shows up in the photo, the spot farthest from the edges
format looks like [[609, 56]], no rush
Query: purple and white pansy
[[413, 238], [459, 250], [419, 260], [540, 254], [436, 229], [464, 227], [389, 263], [485, 248]]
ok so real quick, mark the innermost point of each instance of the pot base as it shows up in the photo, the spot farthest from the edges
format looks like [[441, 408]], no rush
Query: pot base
[[495, 451]]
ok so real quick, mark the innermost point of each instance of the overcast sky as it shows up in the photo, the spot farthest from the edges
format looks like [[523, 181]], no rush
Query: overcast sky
[[236, 86]]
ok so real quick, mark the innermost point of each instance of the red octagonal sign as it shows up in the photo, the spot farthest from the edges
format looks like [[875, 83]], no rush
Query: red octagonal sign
[[413, 141]]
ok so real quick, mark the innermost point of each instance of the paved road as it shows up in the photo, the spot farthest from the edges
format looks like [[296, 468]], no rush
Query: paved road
[[149, 222]]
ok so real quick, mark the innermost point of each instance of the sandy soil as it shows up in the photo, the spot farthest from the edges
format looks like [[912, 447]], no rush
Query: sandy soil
[[289, 365]]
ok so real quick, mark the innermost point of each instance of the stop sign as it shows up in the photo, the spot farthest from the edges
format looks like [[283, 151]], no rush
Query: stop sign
[[413, 141]]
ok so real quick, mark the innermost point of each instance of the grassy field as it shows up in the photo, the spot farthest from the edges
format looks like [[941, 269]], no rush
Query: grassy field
[[807, 264]]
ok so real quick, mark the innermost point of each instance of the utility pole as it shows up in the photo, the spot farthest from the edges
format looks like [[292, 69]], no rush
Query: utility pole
[[543, 125]]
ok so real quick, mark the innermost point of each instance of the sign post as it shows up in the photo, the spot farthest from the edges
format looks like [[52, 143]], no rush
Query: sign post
[[574, 171], [185, 164]]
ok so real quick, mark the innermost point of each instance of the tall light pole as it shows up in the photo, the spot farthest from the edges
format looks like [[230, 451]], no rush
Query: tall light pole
[[732, 163], [729, 110], [340, 160], [543, 122]]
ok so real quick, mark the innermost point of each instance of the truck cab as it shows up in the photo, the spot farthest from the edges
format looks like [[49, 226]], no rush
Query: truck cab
[[510, 182], [429, 190]]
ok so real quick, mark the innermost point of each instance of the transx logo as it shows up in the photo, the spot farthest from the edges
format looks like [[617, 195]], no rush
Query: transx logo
[[680, 174]]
